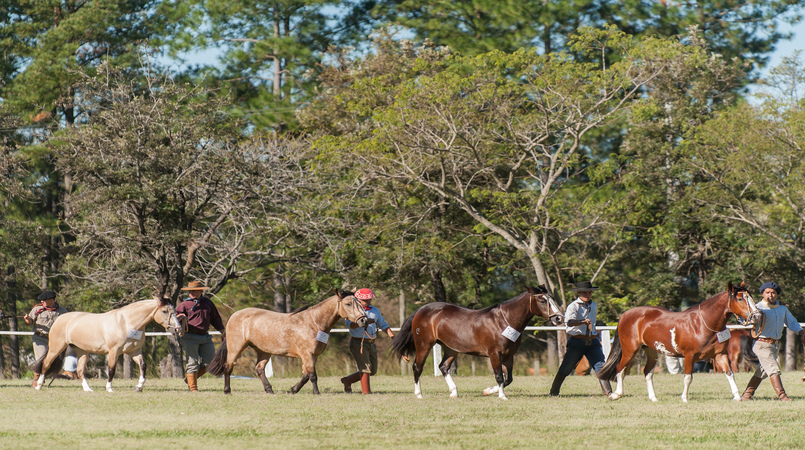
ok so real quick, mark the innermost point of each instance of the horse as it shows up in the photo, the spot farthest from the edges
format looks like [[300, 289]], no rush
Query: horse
[[299, 334], [494, 332], [690, 333], [115, 332], [738, 350]]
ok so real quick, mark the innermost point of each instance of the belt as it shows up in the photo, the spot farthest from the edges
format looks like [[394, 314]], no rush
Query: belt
[[577, 336], [364, 339], [41, 333], [768, 340], [198, 332]]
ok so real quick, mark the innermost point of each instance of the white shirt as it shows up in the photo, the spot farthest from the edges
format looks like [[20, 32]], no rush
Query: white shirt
[[579, 310]]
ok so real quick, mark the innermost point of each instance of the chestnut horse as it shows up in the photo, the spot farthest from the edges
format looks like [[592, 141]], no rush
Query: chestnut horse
[[115, 332], [738, 350], [690, 333], [494, 332], [301, 334]]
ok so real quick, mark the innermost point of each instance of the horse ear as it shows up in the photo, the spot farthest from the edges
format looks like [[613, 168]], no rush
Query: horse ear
[[339, 294], [743, 284], [730, 287]]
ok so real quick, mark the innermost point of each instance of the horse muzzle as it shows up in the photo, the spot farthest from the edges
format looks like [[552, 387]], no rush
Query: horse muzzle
[[557, 320], [362, 321]]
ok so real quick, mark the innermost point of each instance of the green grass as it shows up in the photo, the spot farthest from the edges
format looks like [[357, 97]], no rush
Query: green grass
[[165, 415]]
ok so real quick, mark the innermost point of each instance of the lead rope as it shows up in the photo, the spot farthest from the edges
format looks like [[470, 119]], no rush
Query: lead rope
[[705, 323]]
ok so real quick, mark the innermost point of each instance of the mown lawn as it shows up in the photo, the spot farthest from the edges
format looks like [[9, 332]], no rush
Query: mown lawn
[[167, 416]]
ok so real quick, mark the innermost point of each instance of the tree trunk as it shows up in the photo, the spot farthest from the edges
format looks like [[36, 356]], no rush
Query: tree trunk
[[553, 357], [439, 291], [14, 340], [177, 363], [127, 367], [790, 350], [279, 291]]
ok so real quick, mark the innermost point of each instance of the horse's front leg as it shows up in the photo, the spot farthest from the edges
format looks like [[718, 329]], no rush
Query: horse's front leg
[[81, 355], [494, 358], [259, 369], [299, 385], [508, 365], [688, 376], [138, 358], [444, 367], [723, 364]]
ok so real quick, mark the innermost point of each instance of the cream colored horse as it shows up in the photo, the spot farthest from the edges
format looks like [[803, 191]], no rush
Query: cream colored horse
[[302, 334], [114, 333]]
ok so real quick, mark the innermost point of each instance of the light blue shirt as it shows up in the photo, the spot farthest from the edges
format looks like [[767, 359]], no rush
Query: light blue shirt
[[579, 310], [370, 331], [775, 318]]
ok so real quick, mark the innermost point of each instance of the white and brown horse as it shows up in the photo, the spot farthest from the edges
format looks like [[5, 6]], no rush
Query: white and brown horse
[[301, 334], [114, 333]]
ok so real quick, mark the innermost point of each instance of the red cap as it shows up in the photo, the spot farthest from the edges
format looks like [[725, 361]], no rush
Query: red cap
[[365, 294]]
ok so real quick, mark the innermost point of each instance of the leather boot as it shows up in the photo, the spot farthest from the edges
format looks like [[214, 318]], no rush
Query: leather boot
[[606, 388], [557, 384], [191, 382], [777, 384], [754, 382], [36, 378], [365, 389], [348, 380]]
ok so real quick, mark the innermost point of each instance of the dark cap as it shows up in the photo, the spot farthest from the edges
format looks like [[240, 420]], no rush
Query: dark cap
[[770, 285], [46, 295]]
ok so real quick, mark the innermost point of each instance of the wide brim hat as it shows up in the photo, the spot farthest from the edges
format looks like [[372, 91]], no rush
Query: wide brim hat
[[46, 295], [584, 286], [195, 286], [364, 294]]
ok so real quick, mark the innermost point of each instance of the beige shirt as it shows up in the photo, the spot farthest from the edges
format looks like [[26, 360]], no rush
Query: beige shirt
[[44, 319]]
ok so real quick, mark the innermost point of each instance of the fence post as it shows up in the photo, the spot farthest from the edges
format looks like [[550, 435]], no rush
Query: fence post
[[605, 342], [437, 358]]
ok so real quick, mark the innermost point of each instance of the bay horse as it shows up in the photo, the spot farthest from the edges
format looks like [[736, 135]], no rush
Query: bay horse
[[115, 332], [494, 332], [301, 334], [690, 333]]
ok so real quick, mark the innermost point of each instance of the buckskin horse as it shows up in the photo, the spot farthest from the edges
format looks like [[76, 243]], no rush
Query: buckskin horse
[[494, 332], [114, 333], [300, 334], [690, 333]]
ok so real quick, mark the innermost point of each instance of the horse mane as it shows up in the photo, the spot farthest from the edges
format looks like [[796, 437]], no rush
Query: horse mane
[[300, 309], [516, 297]]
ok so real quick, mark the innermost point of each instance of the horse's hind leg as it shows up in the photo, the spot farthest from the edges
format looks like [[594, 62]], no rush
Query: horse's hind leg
[[422, 351], [444, 367], [259, 369], [54, 351], [648, 372], [628, 351], [138, 358]]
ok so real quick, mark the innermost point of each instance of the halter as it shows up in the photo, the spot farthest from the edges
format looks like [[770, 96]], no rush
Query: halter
[[754, 312], [554, 309]]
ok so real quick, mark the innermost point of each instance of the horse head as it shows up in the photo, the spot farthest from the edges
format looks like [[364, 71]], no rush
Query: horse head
[[166, 316], [743, 305], [545, 304], [350, 308]]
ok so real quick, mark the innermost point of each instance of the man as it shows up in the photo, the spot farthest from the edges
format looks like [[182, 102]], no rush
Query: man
[[582, 339], [43, 315], [767, 346], [362, 345], [200, 313]]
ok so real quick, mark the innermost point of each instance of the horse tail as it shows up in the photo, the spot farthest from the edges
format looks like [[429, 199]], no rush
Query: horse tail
[[403, 342], [218, 363], [746, 350], [610, 369], [55, 366]]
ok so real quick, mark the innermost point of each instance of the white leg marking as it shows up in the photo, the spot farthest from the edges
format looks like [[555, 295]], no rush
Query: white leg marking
[[140, 383], [40, 382], [451, 386], [733, 387], [618, 393], [491, 390], [109, 386], [417, 390], [650, 386], [688, 379], [501, 395], [85, 385]]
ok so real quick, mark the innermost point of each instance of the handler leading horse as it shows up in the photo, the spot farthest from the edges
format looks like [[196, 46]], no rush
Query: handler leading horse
[[302, 334], [690, 333], [493, 332], [115, 332]]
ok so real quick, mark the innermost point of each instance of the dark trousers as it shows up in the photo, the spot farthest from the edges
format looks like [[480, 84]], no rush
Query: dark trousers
[[576, 349]]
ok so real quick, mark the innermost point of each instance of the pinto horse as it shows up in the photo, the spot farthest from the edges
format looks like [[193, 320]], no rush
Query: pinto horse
[[690, 333], [301, 334], [115, 332], [494, 332]]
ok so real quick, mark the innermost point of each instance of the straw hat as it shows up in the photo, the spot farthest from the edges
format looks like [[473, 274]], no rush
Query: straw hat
[[195, 286]]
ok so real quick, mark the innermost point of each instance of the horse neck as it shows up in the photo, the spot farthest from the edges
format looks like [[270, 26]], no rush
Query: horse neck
[[517, 311], [138, 314], [715, 311], [324, 314]]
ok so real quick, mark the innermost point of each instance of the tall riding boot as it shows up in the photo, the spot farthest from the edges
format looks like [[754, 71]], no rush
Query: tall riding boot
[[348, 380], [191, 382], [557, 384], [365, 389], [36, 379], [606, 388], [777, 384], [754, 382]]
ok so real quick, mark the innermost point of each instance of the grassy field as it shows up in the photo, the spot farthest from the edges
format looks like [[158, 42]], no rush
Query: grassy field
[[165, 415]]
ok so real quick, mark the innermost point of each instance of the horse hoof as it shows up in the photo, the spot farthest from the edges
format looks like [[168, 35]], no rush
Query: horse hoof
[[453, 395], [614, 396], [109, 390], [419, 396], [653, 399], [503, 398], [138, 388]]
